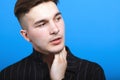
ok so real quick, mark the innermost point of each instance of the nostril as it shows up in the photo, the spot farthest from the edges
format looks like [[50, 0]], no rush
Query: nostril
[[54, 30]]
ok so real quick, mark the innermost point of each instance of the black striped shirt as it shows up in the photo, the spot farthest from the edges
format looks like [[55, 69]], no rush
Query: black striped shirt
[[33, 68]]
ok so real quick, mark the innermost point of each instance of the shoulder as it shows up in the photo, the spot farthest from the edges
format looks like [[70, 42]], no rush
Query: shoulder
[[17, 70], [25, 69], [81, 63], [87, 64], [87, 69], [18, 65]]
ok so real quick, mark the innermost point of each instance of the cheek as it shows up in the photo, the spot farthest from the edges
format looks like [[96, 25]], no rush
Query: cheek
[[61, 28], [38, 35], [62, 25]]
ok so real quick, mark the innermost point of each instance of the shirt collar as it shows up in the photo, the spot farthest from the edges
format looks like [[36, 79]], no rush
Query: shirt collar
[[37, 56], [72, 61]]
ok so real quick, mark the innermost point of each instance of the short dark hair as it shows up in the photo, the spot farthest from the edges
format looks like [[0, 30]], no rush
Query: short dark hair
[[23, 6]]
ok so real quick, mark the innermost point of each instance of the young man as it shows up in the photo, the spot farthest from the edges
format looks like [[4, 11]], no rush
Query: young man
[[43, 26]]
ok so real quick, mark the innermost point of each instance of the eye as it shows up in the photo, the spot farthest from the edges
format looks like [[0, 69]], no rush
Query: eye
[[58, 18], [41, 24]]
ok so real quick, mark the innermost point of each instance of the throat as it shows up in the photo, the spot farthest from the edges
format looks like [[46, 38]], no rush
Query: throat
[[48, 59]]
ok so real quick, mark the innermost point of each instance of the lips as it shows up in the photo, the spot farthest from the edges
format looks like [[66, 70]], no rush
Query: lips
[[56, 41]]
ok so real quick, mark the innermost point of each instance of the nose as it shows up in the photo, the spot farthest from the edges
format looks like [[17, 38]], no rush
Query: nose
[[54, 28]]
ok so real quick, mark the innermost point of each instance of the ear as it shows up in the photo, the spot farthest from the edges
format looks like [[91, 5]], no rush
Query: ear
[[25, 34]]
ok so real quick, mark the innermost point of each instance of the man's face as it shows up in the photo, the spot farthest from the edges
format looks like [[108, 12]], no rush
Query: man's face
[[45, 28]]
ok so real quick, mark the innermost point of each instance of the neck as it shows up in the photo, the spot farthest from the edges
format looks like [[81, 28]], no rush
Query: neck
[[50, 57]]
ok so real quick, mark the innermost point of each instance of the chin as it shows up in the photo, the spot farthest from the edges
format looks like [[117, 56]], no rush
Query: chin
[[57, 49]]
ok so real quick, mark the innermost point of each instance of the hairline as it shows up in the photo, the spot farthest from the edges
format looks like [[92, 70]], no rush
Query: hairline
[[23, 14]]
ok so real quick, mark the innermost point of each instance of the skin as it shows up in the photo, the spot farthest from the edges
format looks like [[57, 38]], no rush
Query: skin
[[43, 26]]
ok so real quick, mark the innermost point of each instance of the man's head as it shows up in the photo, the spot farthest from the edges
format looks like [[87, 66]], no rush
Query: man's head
[[43, 26], [23, 6]]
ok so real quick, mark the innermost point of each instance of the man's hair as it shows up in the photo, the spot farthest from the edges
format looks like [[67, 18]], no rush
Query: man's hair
[[24, 6]]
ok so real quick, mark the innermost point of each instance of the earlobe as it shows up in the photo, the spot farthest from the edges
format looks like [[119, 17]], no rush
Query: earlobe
[[25, 35]]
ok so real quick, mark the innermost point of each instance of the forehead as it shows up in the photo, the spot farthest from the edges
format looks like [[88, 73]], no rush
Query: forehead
[[43, 10]]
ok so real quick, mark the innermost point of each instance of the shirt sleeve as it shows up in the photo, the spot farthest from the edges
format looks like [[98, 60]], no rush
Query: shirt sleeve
[[98, 73]]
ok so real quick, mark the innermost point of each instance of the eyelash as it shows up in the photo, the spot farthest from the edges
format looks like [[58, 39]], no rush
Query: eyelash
[[58, 18], [42, 24]]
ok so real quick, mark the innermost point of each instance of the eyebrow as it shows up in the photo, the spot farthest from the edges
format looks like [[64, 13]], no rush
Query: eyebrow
[[59, 13], [43, 20]]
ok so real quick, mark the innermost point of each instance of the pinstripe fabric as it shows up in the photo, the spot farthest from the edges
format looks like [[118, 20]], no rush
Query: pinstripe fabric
[[33, 68]]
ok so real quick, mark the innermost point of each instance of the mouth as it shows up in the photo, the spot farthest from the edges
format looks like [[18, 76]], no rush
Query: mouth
[[56, 41]]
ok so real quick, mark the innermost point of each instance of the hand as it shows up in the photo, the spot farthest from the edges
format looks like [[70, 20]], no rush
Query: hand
[[59, 65]]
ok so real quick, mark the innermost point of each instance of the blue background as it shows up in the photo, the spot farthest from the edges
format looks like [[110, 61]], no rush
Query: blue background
[[92, 33]]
